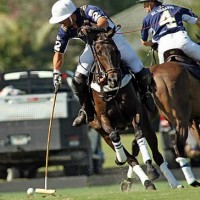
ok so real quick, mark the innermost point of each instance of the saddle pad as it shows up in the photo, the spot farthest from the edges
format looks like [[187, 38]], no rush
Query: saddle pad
[[195, 70]]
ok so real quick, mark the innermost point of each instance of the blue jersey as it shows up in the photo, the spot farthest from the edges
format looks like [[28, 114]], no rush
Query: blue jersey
[[166, 19], [89, 13]]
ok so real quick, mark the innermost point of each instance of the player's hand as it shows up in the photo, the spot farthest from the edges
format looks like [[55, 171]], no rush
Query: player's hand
[[57, 79]]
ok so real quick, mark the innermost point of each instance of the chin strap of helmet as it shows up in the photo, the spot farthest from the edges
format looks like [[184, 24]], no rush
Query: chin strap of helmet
[[71, 21]]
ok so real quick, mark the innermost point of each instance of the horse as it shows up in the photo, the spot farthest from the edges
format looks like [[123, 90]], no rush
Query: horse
[[118, 108], [176, 93]]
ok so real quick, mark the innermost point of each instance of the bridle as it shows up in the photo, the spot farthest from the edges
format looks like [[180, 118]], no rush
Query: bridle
[[97, 36], [102, 72], [100, 65]]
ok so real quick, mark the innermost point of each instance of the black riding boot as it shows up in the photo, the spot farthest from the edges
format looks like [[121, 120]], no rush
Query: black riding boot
[[86, 113], [80, 89], [144, 80]]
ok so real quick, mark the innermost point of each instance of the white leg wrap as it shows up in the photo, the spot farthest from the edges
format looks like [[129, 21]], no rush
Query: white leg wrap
[[169, 176], [186, 169], [121, 156], [140, 173], [143, 149], [130, 173]]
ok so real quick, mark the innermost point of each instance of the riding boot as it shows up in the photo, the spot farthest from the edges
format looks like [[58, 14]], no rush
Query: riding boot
[[80, 89], [86, 113], [144, 80]]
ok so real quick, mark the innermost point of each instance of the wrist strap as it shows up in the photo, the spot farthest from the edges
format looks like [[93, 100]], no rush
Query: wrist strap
[[55, 71]]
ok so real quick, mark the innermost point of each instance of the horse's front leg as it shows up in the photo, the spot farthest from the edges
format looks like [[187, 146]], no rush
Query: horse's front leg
[[123, 155], [179, 144], [136, 169], [116, 140]]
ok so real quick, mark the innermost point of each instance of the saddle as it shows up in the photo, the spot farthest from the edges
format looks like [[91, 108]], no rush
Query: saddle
[[177, 55]]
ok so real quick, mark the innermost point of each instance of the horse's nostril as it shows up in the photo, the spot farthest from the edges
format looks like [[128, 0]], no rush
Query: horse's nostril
[[112, 83]]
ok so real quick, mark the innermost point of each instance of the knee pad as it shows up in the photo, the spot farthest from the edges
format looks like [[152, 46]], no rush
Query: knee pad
[[79, 78], [78, 81]]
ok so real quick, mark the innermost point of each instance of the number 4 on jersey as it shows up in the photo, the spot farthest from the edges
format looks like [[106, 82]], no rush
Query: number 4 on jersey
[[168, 19]]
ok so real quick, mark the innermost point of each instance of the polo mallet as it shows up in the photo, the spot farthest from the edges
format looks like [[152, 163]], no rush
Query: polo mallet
[[46, 190]]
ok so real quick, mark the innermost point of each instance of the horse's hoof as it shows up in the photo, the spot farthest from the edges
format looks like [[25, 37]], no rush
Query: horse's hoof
[[153, 174], [125, 186], [119, 163], [195, 184], [179, 186], [149, 185]]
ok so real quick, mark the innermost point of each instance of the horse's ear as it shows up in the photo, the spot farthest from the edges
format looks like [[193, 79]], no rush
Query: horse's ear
[[110, 33], [113, 31]]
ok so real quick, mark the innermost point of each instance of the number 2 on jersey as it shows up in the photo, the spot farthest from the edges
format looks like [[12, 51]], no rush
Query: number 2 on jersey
[[168, 19]]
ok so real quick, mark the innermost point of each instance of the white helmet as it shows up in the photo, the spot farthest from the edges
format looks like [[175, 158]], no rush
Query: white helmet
[[141, 1], [61, 10], [161, 1]]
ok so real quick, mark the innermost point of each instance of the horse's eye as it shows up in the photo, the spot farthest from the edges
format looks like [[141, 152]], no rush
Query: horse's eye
[[98, 50], [114, 49], [99, 53]]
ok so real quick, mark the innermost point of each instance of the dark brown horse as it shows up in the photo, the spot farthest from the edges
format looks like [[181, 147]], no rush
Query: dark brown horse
[[118, 108], [177, 94]]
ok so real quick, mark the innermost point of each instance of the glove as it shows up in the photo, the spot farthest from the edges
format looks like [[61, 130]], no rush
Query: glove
[[57, 79]]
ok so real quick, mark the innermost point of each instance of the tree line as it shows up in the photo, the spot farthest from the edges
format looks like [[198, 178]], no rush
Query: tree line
[[27, 38]]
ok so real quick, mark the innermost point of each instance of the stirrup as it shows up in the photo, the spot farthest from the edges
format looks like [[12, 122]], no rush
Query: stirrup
[[80, 119], [83, 118], [84, 112]]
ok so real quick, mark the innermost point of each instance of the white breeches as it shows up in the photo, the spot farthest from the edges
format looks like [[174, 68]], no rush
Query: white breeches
[[128, 56], [181, 41]]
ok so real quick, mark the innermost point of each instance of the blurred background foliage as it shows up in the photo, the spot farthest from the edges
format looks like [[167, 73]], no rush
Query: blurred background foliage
[[27, 39]]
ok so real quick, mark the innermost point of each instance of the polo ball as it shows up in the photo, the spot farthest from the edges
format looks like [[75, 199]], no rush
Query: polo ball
[[30, 191]]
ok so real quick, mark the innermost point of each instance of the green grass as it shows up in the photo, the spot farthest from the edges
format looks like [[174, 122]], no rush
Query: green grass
[[126, 140], [137, 192], [112, 192]]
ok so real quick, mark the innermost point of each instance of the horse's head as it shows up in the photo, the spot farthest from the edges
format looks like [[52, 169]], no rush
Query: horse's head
[[106, 54], [107, 57]]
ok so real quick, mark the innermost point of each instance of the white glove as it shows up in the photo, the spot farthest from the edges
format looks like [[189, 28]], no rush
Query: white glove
[[57, 79]]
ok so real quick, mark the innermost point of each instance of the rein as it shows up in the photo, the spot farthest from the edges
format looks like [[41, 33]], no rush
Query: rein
[[153, 57]]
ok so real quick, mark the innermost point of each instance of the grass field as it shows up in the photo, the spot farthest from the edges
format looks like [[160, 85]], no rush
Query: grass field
[[113, 192]]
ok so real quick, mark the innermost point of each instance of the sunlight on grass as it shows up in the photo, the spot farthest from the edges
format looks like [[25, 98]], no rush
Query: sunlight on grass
[[110, 192]]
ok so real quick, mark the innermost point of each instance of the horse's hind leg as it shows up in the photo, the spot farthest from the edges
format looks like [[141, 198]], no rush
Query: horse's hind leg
[[141, 142], [151, 138], [181, 136]]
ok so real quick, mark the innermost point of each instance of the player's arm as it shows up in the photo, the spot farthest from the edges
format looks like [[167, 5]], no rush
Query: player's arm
[[147, 43], [102, 22], [58, 60], [198, 22]]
